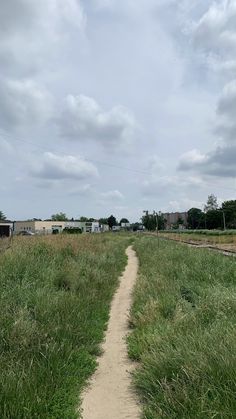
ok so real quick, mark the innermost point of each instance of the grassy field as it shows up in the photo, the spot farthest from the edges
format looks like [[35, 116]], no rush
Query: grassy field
[[184, 334], [55, 298]]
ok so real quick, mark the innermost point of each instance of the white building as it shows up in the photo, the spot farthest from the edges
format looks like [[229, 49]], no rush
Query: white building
[[54, 227]]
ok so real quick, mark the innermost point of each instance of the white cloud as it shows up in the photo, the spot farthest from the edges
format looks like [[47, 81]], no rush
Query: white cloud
[[169, 184], [215, 35], [113, 195], [155, 165], [55, 167], [83, 190], [82, 118], [191, 158], [23, 15], [50, 48], [23, 102], [216, 28], [185, 204], [227, 103], [5, 146], [219, 162], [32, 33]]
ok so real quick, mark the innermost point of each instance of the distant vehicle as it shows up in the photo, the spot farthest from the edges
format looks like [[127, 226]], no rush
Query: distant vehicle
[[26, 233]]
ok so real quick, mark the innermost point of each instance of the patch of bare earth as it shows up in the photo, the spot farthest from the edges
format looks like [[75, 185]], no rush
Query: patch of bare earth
[[110, 394]]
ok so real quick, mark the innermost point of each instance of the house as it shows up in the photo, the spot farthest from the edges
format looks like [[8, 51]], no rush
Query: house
[[6, 228]]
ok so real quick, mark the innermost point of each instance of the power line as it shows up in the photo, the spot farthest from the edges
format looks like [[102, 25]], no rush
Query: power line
[[84, 157], [102, 163]]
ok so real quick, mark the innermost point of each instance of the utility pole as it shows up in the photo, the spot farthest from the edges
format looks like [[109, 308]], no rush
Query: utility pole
[[157, 229], [224, 219], [146, 212], [156, 215]]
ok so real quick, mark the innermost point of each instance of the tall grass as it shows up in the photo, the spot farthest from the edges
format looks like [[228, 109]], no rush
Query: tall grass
[[55, 297], [184, 334]]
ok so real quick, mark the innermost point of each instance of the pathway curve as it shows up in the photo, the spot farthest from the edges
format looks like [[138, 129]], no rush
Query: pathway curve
[[110, 395]]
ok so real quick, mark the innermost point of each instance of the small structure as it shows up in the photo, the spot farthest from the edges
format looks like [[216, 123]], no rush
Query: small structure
[[6, 228]]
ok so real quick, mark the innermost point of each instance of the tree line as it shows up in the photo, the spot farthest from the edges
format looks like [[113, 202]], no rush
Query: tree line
[[214, 216]]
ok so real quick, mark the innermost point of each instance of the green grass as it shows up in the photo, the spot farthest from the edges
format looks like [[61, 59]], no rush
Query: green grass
[[55, 299], [184, 332]]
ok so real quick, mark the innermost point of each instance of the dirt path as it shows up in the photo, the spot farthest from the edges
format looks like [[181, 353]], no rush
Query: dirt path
[[110, 395]]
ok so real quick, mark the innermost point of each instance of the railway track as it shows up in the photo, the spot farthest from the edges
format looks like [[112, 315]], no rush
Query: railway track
[[224, 252]]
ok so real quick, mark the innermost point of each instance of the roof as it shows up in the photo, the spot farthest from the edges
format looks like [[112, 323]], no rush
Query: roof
[[6, 222]]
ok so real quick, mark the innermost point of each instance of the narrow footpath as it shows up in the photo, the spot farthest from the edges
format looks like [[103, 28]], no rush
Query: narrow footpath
[[110, 395]]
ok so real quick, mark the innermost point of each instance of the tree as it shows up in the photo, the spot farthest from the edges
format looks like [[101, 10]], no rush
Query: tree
[[124, 221], [229, 209], [2, 216], [61, 216], [111, 221], [135, 226], [178, 223], [211, 203], [196, 218], [150, 221], [83, 219], [161, 222], [214, 219], [103, 221]]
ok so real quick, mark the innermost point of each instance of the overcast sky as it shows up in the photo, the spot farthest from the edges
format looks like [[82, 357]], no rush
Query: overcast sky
[[116, 106]]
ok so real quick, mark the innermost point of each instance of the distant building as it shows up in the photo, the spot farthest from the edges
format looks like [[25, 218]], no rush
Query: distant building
[[54, 227], [91, 227], [125, 226], [104, 228], [172, 218], [6, 228], [40, 227], [116, 228]]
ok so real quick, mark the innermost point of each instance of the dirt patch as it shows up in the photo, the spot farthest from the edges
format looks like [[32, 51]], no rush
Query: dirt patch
[[110, 395]]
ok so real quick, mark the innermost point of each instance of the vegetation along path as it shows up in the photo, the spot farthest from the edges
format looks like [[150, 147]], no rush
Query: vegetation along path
[[110, 395]]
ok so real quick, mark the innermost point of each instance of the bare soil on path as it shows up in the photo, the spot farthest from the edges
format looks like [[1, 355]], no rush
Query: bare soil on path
[[110, 395]]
